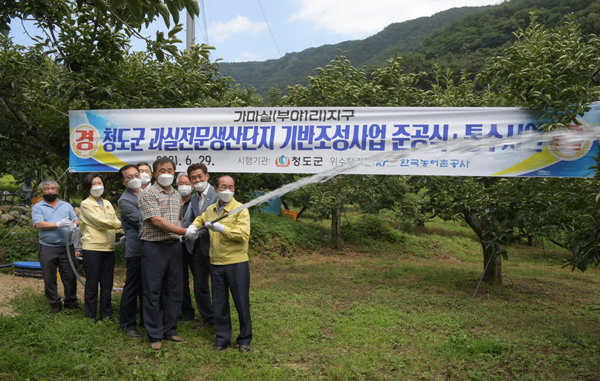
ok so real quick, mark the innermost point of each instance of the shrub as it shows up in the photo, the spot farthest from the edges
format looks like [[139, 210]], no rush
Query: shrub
[[370, 230], [19, 245], [281, 236]]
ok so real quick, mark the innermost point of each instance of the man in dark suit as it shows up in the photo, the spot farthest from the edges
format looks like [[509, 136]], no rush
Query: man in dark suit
[[200, 248], [130, 221]]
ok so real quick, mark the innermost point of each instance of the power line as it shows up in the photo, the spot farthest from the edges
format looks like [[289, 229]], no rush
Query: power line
[[265, 16], [203, 27]]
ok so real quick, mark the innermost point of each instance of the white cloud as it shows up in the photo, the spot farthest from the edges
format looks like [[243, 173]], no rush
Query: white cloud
[[248, 56], [221, 31], [354, 18]]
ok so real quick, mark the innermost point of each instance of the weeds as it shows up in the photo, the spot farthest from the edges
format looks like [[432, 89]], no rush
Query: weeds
[[403, 313], [19, 245]]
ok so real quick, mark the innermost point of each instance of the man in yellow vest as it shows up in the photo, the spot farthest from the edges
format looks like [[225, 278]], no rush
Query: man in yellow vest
[[229, 264]]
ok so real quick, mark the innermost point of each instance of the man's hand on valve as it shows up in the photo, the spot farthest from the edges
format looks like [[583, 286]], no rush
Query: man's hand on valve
[[216, 227], [191, 232]]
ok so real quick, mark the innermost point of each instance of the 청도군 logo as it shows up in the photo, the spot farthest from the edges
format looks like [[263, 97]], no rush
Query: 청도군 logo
[[282, 161]]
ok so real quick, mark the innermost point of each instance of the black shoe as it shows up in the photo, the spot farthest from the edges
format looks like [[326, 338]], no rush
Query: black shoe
[[245, 348], [219, 348], [175, 338], [187, 319], [56, 308], [73, 307], [135, 334], [109, 319]]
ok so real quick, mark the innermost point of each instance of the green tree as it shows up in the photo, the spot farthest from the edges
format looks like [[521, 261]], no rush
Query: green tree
[[554, 71], [341, 84], [83, 62]]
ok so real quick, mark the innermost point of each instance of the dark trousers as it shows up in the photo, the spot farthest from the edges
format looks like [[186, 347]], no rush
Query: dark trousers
[[50, 258], [132, 291], [161, 260], [99, 267], [201, 272], [187, 308], [234, 278]]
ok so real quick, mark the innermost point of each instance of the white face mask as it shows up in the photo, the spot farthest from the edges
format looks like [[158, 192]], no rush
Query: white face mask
[[184, 190], [225, 195], [134, 184], [97, 191], [165, 180], [145, 178], [200, 186]]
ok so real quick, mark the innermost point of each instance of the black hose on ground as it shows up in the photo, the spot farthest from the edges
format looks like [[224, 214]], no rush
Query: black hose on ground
[[71, 259]]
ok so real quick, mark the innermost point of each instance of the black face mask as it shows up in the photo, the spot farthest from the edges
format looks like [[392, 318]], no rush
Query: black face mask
[[50, 197]]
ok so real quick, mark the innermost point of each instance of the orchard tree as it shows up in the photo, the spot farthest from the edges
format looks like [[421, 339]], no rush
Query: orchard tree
[[554, 72], [82, 61], [77, 31], [341, 84]]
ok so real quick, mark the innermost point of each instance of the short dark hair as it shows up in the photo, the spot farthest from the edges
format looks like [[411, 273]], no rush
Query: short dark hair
[[138, 165], [87, 182], [195, 167], [162, 160], [124, 168], [219, 179]]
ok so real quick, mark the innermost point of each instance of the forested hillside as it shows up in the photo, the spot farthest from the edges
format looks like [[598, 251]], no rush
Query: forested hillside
[[294, 68], [458, 38]]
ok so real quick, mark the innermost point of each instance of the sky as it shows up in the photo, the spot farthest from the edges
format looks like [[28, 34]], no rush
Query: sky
[[259, 30]]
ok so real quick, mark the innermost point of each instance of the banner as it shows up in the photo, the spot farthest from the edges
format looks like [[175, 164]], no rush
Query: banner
[[313, 139]]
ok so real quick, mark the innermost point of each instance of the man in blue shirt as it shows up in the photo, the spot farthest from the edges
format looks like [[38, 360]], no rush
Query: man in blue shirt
[[53, 218]]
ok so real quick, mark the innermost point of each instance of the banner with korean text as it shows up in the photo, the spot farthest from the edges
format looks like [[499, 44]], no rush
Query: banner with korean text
[[313, 139]]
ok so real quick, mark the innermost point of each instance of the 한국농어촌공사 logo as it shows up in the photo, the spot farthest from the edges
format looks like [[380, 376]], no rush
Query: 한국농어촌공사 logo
[[85, 141], [282, 161], [571, 150]]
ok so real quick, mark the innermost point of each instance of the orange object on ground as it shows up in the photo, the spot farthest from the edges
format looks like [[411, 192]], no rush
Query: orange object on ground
[[291, 214], [35, 200]]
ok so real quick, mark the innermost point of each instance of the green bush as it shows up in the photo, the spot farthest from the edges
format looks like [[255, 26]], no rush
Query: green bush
[[19, 245], [370, 230], [8, 183], [281, 236]]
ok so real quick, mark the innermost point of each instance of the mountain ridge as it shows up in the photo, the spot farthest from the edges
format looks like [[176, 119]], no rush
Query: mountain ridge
[[457, 39]]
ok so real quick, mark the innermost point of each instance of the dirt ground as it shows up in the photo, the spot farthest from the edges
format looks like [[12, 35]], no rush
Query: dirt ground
[[12, 286]]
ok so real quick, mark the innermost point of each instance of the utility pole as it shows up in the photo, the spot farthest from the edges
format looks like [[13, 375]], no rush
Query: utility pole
[[190, 31]]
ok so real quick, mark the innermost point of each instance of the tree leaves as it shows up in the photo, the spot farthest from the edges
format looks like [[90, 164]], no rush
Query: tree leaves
[[552, 71], [192, 7]]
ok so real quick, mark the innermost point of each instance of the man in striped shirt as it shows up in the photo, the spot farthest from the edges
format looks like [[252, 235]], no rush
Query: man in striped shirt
[[160, 233]]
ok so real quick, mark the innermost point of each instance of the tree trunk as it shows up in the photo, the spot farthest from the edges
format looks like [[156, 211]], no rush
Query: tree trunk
[[493, 275], [304, 207], [336, 228], [36, 131], [530, 237]]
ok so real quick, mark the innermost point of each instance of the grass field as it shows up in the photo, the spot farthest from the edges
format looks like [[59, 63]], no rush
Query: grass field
[[8, 183], [399, 311]]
